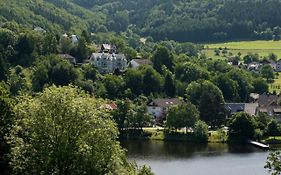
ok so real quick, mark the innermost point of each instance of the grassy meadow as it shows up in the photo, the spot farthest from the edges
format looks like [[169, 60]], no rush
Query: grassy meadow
[[276, 85], [263, 48]]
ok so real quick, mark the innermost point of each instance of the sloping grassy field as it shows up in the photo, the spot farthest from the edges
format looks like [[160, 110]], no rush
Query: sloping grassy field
[[263, 48]]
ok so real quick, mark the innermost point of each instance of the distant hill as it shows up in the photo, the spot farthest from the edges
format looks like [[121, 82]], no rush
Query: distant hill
[[194, 20], [52, 15], [180, 20]]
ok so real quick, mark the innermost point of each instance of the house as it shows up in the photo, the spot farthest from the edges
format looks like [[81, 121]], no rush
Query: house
[[278, 66], [68, 58], [253, 66], [233, 108], [74, 39], [159, 107], [135, 63], [107, 48], [108, 63], [269, 104], [254, 97]]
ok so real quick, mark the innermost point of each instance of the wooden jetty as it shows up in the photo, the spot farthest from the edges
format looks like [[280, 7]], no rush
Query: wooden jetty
[[258, 144]]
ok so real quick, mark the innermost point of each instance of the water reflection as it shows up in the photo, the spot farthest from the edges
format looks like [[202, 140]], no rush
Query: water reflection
[[197, 159], [183, 150]]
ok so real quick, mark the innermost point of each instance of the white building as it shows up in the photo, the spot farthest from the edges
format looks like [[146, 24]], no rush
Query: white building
[[74, 39], [158, 108], [108, 62]]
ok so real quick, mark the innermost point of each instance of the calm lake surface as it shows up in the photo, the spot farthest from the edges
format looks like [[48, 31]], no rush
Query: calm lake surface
[[177, 158]]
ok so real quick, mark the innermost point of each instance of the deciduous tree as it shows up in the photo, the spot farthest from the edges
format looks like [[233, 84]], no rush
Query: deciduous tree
[[64, 131]]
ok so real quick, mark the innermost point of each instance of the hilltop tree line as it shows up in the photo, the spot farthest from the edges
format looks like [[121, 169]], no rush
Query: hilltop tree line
[[193, 21]]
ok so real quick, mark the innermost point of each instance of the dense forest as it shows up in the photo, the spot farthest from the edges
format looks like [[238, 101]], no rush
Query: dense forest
[[195, 21]]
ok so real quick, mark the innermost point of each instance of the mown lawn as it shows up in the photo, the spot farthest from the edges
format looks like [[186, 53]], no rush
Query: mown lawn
[[263, 48]]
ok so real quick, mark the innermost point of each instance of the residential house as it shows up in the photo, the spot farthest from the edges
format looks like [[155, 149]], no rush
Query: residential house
[[108, 60], [74, 39], [278, 66], [107, 48], [253, 66], [108, 63], [68, 58], [233, 108], [269, 104], [135, 63], [159, 107]]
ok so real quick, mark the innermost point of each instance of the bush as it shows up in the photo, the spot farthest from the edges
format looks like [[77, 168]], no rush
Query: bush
[[201, 131]]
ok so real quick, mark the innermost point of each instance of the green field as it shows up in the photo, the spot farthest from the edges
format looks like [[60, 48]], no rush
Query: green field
[[263, 48], [276, 85]]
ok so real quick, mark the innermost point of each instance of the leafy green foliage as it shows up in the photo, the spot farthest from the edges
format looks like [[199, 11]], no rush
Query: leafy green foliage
[[273, 163], [52, 70], [209, 99], [162, 57], [152, 81], [185, 115], [130, 115], [201, 131], [267, 72], [188, 72], [6, 119], [228, 87], [64, 131], [241, 127], [273, 129]]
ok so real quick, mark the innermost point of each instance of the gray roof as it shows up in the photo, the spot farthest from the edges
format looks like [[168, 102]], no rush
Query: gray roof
[[68, 57], [108, 55], [267, 100], [235, 107], [143, 61], [249, 108]]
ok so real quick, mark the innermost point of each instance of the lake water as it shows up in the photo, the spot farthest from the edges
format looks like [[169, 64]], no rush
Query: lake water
[[177, 158]]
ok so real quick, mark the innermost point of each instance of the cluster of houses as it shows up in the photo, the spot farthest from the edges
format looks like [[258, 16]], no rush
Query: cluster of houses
[[107, 60], [259, 104], [255, 66]]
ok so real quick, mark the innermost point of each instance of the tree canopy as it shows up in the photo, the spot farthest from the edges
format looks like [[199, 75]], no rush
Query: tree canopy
[[65, 131], [241, 127]]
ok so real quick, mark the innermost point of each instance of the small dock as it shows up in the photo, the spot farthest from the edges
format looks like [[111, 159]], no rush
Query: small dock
[[258, 144]]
